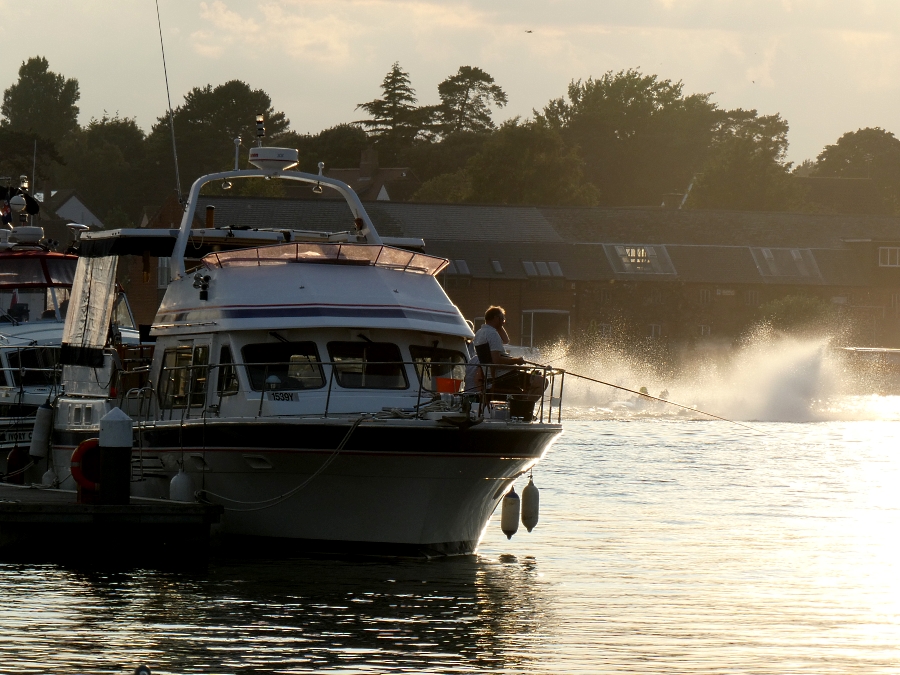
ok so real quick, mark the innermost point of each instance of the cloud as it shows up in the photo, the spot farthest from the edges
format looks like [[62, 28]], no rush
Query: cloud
[[828, 66], [328, 32]]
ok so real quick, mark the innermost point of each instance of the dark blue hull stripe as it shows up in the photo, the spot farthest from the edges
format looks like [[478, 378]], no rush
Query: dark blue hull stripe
[[309, 312]]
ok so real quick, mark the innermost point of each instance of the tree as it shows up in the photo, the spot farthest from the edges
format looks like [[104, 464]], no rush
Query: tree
[[520, 163], [466, 100], [21, 152], [103, 162], [396, 120], [339, 147], [41, 102], [805, 168], [640, 137], [205, 127], [865, 153], [449, 154], [746, 168], [447, 188]]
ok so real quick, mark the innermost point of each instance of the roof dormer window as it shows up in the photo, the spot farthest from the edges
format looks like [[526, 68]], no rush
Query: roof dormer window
[[889, 256]]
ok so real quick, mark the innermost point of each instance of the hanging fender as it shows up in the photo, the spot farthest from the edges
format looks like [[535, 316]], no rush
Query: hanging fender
[[76, 466]]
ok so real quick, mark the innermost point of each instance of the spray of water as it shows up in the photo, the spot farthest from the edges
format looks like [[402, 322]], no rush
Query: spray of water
[[769, 377]]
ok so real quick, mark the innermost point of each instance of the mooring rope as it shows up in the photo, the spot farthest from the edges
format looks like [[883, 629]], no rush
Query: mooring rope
[[274, 501]]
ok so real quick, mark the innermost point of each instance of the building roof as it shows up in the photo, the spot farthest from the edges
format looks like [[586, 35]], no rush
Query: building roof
[[727, 228], [518, 242], [453, 222], [68, 205]]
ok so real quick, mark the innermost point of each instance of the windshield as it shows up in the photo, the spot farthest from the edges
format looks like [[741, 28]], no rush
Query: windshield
[[35, 287], [33, 304]]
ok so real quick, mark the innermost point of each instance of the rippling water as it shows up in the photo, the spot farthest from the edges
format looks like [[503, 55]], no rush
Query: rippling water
[[664, 546]]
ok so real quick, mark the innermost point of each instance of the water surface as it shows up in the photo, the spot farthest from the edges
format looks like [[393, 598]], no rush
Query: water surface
[[664, 546]]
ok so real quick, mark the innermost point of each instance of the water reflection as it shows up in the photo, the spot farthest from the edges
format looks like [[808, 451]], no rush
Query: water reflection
[[467, 615], [664, 546]]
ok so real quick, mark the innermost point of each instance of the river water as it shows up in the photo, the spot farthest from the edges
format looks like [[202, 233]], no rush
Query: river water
[[665, 545]]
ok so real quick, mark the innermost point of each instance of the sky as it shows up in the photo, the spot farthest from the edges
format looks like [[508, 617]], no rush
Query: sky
[[828, 66]]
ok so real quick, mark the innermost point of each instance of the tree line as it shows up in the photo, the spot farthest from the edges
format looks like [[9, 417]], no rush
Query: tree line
[[625, 138]]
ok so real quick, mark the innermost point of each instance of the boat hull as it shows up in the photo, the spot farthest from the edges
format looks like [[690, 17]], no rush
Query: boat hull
[[407, 487]]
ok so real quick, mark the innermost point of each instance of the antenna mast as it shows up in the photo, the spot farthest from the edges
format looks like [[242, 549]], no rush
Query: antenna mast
[[169, 99]]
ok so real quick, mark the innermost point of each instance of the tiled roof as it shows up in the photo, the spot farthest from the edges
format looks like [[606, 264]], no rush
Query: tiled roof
[[703, 246], [724, 228], [478, 257], [392, 219]]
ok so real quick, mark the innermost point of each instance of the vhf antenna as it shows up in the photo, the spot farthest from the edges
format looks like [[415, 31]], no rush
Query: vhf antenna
[[169, 99]]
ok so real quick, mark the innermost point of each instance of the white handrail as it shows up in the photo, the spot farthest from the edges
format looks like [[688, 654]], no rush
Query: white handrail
[[346, 191]]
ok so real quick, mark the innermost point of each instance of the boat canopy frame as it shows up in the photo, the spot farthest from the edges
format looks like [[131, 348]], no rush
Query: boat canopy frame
[[353, 201]]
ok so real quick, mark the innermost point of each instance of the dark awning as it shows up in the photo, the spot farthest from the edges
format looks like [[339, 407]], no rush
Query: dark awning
[[158, 243]]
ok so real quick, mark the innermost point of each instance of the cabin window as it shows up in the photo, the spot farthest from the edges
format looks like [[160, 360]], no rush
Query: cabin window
[[368, 365], [433, 364], [227, 382], [33, 366], [184, 376], [283, 365], [122, 313]]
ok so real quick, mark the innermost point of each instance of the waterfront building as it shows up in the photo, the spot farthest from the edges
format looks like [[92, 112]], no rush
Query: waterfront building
[[677, 276]]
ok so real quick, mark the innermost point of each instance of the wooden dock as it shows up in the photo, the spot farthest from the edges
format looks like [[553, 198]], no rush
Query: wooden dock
[[40, 524]]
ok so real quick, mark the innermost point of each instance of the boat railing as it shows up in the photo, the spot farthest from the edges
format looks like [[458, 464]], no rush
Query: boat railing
[[377, 255], [184, 392], [44, 371]]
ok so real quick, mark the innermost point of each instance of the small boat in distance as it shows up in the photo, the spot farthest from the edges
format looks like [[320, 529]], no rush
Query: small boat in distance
[[307, 381]]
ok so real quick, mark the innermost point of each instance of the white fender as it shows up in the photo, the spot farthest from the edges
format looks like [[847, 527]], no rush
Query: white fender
[[181, 488], [509, 513], [40, 435]]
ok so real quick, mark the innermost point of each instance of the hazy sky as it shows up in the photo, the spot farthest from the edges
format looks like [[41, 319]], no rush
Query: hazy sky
[[828, 66]]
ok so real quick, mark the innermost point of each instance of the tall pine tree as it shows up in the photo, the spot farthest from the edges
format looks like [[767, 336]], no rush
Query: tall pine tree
[[395, 118]]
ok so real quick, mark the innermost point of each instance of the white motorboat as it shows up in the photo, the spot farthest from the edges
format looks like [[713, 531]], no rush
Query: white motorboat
[[310, 385]]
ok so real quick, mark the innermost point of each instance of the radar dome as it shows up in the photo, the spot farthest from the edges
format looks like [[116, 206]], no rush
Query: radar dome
[[273, 159]]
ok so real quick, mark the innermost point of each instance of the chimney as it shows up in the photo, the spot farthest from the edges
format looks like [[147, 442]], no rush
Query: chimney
[[368, 163]]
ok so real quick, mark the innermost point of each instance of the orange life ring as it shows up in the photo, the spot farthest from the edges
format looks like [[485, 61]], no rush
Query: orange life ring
[[77, 461]]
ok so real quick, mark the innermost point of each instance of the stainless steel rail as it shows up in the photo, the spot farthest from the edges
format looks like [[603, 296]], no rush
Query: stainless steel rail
[[177, 393]]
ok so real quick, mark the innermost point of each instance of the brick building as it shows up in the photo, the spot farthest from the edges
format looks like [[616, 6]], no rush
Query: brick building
[[676, 275]]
